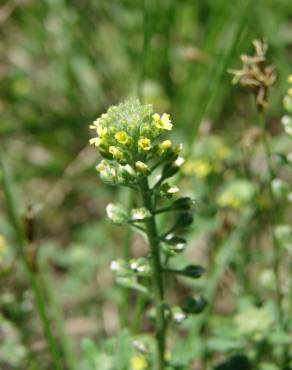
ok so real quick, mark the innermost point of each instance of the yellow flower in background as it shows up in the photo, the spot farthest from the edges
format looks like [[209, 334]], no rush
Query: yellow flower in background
[[139, 362], [200, 167], [290, 79], [163, 122], [3, 247], [144, 144], [122, 137], [237, 194], [229, 200]]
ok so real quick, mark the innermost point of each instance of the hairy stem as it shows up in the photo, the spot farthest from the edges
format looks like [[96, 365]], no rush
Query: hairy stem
[[157, 274], [127, 254]]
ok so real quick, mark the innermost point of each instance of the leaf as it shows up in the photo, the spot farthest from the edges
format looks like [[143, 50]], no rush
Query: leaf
[[183, 204], [175, 245], [184, 220], [238, 362], [192, 271]]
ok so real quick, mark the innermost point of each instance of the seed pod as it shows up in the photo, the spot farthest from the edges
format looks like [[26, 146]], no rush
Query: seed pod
[[195, 305]]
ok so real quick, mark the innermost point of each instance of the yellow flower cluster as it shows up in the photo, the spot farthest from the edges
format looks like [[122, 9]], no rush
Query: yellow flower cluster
[[201, 168], [209, 156], [237, 194], [129, 136]]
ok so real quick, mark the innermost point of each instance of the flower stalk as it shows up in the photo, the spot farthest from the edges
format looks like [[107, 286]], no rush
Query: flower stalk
[[157, 274], [130, 137]]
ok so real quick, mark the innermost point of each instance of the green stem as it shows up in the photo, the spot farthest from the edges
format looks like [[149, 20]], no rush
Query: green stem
[[33, 276], [273, 205], [127, 255], [157, 274]]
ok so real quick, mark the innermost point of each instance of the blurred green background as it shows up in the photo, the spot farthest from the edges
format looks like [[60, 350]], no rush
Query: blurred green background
[[62, 63]]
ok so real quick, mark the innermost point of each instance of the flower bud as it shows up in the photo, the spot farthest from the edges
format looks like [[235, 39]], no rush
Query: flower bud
[[195, 305], [142, 168], [178, 315], [139, 214], [144, 144], [117, 214]]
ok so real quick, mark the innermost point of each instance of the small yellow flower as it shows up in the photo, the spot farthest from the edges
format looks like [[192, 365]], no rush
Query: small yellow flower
[[165, 145], [139, 362], [163, 122], [116, 152], [290, 79], [142, 167], [95, 141], [95, 124], [100, 130], [144, 144], [122, 137]]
